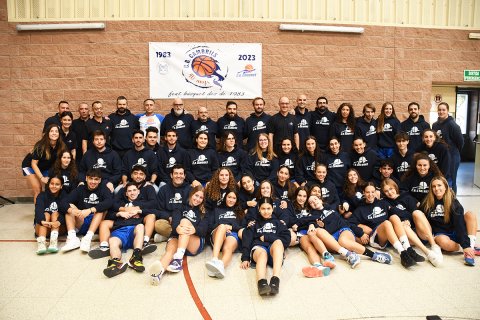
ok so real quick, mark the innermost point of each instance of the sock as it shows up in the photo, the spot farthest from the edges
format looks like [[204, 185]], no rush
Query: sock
[[179, 254], [41, 239], [317, 264], [146, 239], [71, 234], [343, 251], [53, 235], [473, 239], [323, 253], [104, 244], [368, 253], [398, 246], [89, 235], [404, 241]]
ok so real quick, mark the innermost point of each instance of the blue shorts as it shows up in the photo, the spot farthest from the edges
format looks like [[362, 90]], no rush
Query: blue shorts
[[200, 249], [337, 234], [29, 171], [86, 224], [229, 234], [126, 236], [452, 235], [269, 256]]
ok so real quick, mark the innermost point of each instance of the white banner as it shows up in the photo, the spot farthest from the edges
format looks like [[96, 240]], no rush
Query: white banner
[[205, 70]]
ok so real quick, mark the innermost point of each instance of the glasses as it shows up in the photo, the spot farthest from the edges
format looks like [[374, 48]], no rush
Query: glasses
[[178, 104]]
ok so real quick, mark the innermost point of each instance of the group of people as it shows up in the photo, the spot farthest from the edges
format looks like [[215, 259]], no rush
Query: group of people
[[328, 182]]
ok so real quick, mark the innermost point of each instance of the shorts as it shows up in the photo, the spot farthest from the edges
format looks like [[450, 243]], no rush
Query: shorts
[[199, 250], [126, 235], [337, 234], [451, 235], [233, 234], [373, 243], [29, 171], [86, 224], [269, 256]]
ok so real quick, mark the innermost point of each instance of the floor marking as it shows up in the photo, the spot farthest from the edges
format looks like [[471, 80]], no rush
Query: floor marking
[[193, 292]]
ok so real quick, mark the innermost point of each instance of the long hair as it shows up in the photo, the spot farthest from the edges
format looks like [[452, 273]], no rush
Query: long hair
[[292, 151], [381, 117], [237, 208], [222, 145], [212, 190], [349, 188], [47, 186], [288, 183], [72, 167], [351, 115], [258, 194], [201, 207], [437, 137], [296, 205], [43, 145], [317, 153], [258, 150], [413, 168], [448, 198]]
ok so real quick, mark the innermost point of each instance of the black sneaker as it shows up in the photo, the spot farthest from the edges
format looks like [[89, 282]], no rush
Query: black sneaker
[[414, 255], [136, 261], [406, 260], [148, 248], [99, 252], [274, 285], [263, 287], [114, 268]]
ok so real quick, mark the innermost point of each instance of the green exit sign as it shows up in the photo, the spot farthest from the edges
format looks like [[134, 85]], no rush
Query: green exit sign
[[471, 75]]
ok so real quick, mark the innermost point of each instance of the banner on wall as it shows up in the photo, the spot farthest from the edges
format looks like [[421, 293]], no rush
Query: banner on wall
[[205, 70]]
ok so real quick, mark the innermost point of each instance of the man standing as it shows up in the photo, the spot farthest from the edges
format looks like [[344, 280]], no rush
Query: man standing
[[79, 127], [180, 121], [124, 124], [414, 126], [149, 118], [282, 125], [98, 122], [231, 121], [205, 124], [55, 119], [256, 123], [320, 121], [366, 126], [303, 119]]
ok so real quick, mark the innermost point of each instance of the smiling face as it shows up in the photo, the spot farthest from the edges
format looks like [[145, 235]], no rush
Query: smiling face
[[223, 178], [359, 146], [196, 198], [263, 142], [66, 122], [55, 185], [316, 191], [132, 193], [93, 182], [442, 111], [247, 184], [202, 141], [321, 173], [266, 210], [389, 191], [388, 110], [429, 138], [230, 199], [310, 145], [177, 106], [438, 188], [301, 197], [138, 140], [149, 106], [66, 159], [53, 134], [369, 194], [334, 146], [345, 112], [171, 138], [422, 167], [178, 176], [314, 202], [286, 146], [413, 111], [352, 176], [283, 175], [138, 176], [322, 105], [266, 190], [284, 104]]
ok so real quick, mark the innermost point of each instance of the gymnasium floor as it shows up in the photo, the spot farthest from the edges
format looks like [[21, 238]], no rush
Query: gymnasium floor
[[72, 286]]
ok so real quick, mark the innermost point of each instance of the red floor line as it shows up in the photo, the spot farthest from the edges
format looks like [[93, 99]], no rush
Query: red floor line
[[32, 240], [193, 292]]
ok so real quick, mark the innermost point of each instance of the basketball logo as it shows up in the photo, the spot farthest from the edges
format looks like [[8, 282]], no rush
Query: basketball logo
[[203, 69], [204, 66]]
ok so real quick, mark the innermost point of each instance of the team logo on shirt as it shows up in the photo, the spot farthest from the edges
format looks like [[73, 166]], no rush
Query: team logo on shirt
[[140, 162], [371, 131], [387, 127], [200, 160], [231, 161], [438, 212], [362, 162], [288, 163], [325, 213], [439, 133], [358, 195], [303, 124], [323, 122], [262, 163], [129, 204], [337, 163], [66, 181], [421, 188], [92, 199], [346, 132], [311, 167], [171, 162], [52, 208], [302, 213], [284, 195], [377, 212], [177, 198], [230, 126], [433, 157], [203, 128], [123, 124], [101, 164], [325, 193], [413, 132], [227, 215], [404, 166], [179, 125], [260, 126], [400, 207], [267, 228], [190, 215]]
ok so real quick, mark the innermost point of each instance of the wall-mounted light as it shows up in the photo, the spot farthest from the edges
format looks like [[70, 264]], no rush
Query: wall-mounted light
[[473, 35], [316, 28], [61, 26]]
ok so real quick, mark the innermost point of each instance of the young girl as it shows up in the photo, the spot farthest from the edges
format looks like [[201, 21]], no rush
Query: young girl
[[337, 162], [328, 190], [387, 127], [447, 219], [344, 126], [437, 151], [188, 236], [68, 136], [282, 186], [263, 162], [287, 156], [403, 207], [305, 167], [202, 161], [372, 217], [352, 193], [35, 165], [270, 239], [221, 182], [231, 156], [65, 167], [47, 217], [224, 224], [247, 191], [418, 177]]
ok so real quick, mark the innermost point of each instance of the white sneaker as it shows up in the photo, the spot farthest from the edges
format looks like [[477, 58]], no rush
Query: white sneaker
[[216, 266], [71, 244], [436, 248], [53, 247], [435, 259], [85, 244], [156, 272], [159, 238], [41, 246]]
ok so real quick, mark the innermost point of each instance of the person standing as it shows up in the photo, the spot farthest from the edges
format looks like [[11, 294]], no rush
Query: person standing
[[303, 119], [414, 125], [231, 122], [79, 126], [256, 123], [55, 119], [124, 123], [181, 122], [282, 125], [320, 121], [97, 122], [205, 124], [149, 118]]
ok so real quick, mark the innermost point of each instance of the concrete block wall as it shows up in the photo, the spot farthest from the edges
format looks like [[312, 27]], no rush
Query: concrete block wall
[[38, 69]]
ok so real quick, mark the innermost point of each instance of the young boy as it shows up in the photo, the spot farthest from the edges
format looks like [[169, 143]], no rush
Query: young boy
[[127, 233]]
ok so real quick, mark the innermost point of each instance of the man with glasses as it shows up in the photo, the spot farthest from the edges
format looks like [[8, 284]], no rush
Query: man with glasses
[[282, 125], [180, 121]]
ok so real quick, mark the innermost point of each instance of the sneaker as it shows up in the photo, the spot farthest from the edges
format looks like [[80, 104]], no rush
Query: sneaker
[[159, 238], [156, 273], [382, 257], [53, 247], [148, 248], [406, 260], [216, 267], [414, 255], [315, 271], [136, 263], [353, 259], [329, 260], [71, 244], [476, 250], [274, 285], [175, 266], [41, 247], [435, 259], [263, 287], [99, 252], [436, 248], [85, 244], [114, 268], [469, 261]]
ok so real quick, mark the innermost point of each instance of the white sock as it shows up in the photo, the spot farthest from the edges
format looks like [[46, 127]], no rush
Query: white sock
[[71, 234], [146, 239], [179, 254], [104, 244], [89, 235], [53, 235], [404, 241], [343, 251], [398, 246], [473, 239], [41, 239]]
